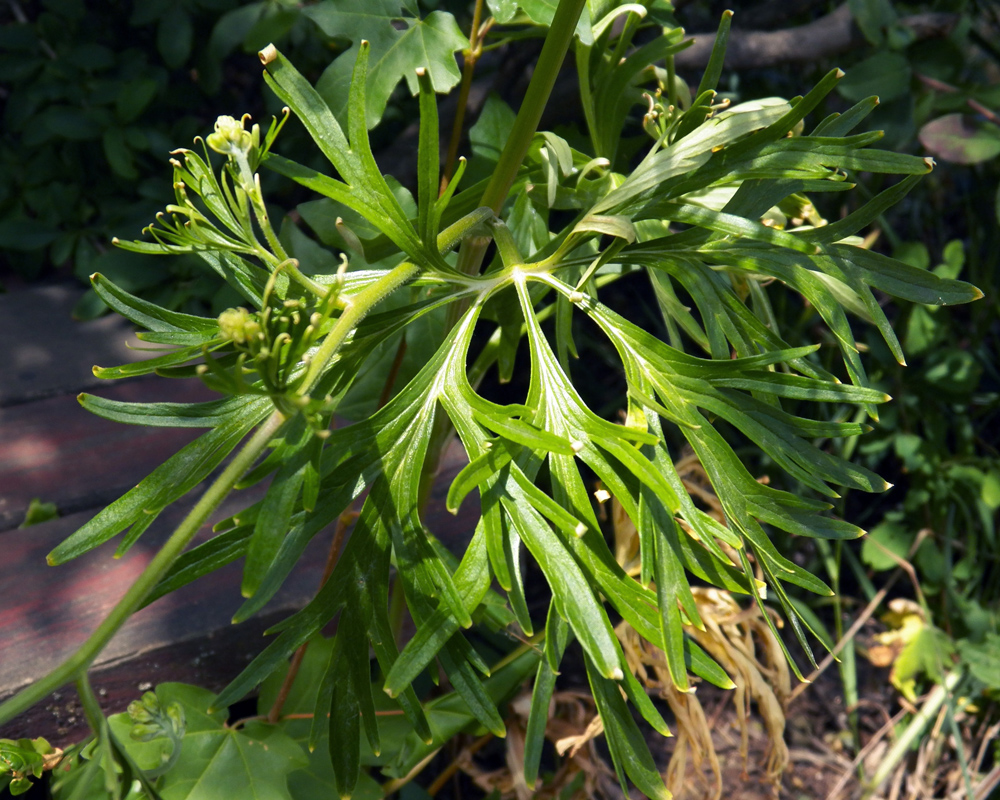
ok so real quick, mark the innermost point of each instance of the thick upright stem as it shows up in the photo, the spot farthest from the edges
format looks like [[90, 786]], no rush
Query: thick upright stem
[[470, 256], [550, 60], [471, 57]]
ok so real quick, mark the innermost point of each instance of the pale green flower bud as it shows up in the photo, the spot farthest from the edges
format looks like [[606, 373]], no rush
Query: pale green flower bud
[[239, 325], [230, 137]]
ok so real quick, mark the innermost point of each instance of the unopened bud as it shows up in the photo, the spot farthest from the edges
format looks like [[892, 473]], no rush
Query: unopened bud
[[230, 137], [238, 325]]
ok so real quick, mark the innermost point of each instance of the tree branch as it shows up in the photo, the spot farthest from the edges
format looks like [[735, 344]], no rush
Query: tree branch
[[827, 36]]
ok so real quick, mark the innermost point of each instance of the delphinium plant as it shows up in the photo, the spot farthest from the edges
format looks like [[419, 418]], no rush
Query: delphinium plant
[[710, 207]]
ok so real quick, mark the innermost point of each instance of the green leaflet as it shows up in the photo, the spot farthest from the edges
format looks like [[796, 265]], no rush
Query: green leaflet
[[588, 621], [146, 314], [629, 750], [556, 639], [202, 560], [169, 415], [173, 479]]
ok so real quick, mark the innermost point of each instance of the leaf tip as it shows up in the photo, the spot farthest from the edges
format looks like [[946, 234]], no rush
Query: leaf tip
[[390, 691], [839, 73], [580, 529], [728, 13], [617, 674], [268, 54], [930, 163]]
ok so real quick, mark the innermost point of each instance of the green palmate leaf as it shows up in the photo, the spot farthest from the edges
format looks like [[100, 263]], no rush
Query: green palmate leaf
[[365, 190], [397, 50], [252, 761], [712, 214]]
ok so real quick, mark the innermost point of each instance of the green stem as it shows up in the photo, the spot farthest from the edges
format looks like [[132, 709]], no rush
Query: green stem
[[76, 665], [272, 239], [91, 705], [921, 720], [506, 244], [557, 42], [473, 249], [360, 305]]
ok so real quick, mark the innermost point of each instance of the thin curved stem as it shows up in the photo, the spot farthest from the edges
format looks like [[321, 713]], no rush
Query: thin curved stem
[[471, 57], [76, 665]]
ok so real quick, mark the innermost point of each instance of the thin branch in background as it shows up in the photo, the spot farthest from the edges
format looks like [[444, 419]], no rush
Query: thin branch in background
[[390, 380], [865, 615], [827, 36], [470, 57], [286, 686], [343, 523], [971, 102], [455, 765]]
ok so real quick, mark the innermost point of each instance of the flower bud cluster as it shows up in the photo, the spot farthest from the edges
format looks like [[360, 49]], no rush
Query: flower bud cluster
[[273, 347], [239, 325], [151, 720]]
